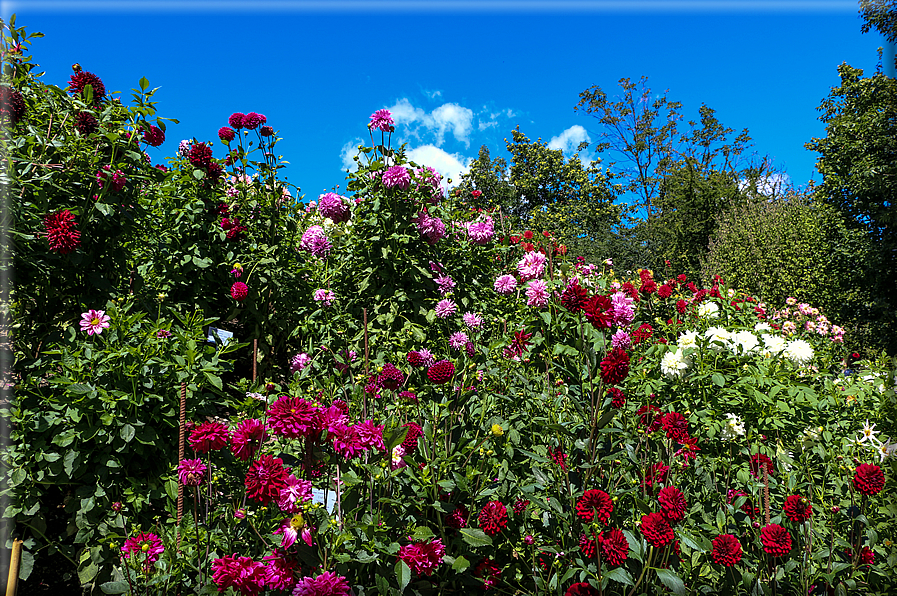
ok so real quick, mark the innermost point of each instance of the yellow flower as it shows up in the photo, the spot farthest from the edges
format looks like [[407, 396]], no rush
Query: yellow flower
[[497, 430]]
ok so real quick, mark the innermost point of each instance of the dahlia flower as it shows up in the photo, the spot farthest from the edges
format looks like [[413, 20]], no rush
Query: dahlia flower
[[381, 119], [334, 207], [315, 241], [242, 573], [62, 231], [146, 543], [493, 517], [799, 352], [531, 266], [423, 557], [445, 308], [674, 364], [726, 550], [94, 321], [505, 284], [191, 472], [396, 177]]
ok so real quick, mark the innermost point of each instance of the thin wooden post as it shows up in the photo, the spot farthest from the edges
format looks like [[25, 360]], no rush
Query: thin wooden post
[[15, 561], [182, 431], [255, 357]]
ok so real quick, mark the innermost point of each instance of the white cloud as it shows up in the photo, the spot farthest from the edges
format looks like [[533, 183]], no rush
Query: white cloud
[[569, 140], [348, 153], [433, 94], [450, 165], [772, 185], [449, 117]]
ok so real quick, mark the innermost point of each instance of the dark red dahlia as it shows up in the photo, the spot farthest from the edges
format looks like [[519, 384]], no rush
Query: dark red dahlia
[[675, 425], [656, 530], [614, 547], [520, 506], [615, 367], [441, 372], [726, 550], [82, 79], [214, 171], [372, 387], [226, 134], [415, 358], [581, 589], [493, 517], [154, 136], [629, 289], [587, 546], [408, 396], [239, 291], [867, 555], [209, 436], [236, 120], [798, 509], [618, 398], [410, 442], [86, 123], [265, 479], [200, 155], [558, 457], [643, 333], [760, 461], [62, 231], [391, 377], [714, 291], [252, 120], [487, 570], [648, 287], [747, 507], [594, 504], [681, 306], [681, 278], [266, 131], [574, 296], [599, 311], [655, 474], [650, 418], [12, 106], [869, 479], [672, 503], [457, 519], [664, 291], [776, 540]]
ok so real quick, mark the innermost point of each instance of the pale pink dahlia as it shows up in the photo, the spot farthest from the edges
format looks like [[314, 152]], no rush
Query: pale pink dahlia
[[94, 321], [537, 293], [506, 284], [531, 266]]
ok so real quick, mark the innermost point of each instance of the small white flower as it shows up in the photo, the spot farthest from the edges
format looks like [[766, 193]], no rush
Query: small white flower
[[718, 337], [689, 339], [674, 364], [744, 342], [731, 293], [868, 433], [763, 327], [774, 344], [708, 310], [886, 450], [799, 352], [733, 428]]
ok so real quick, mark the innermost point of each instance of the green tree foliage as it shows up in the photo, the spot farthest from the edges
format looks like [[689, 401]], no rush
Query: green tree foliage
[[858, 163], [880, 15]]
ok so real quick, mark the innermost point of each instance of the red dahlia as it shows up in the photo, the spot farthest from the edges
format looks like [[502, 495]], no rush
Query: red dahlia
[[458, 518], [867, 555], [520, 506], [776, 540], [82, 79], [869, 479], [643, 333], [493, 517], [226, 134], [664, 291], [615, 367], [410, 442], [656, 530], [266, 131], [630, 290], [798, 509], [12, 106], [648, 287], [675, 425], [594, 504], [558, 457], [672, 503], [441, 372], [599, 311], [681, 306], [265, 479], [614, 547], [239, 291], [655, 474], [200, 155], [391, 377], [758, 462], [62, 231], [581, 589], [726, 550], [86, 123], [487, 570], [154, 136], [574, 296], [617, 397], [209, 436], [650, 418], [587, 547]]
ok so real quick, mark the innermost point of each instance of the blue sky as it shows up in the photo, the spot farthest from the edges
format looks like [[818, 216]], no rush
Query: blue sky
[[457, 75]]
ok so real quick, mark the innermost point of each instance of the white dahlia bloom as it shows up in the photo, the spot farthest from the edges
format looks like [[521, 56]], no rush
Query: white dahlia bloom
[[733, 428], [708, 310], [674, 364], [689, 339], [799, 352]]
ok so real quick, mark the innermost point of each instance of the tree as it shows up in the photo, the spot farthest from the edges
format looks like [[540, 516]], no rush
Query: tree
[[880, 15]]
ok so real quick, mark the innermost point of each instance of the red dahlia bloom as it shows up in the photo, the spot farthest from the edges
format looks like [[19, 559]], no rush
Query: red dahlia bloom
[[599, 311], [265, 479], [675, 425], [391, 377], [493, 517], [520, 506], [655, 474], [869, 479], [629, 289], [62, 231], [672, 503], [614, 547], [681, 306], [798, 509], [758, 462], [410, 442], [86, 123], [441, 372], [656, 530], [423, 557], [209, 436], [154, 136], [650, 418], [574, 296], [594, 504], [457, 519], [293, 417], [248, 438], [487, 570], [587, 546], [643, 333], [200, 155], [867, 555], [726, 550], [12, 105], [239, 291], [776, 540], [252, 120], [617, 397], [615, 367], [82, 79], [581, 589], [558, 457], [664, 291], [648, 287]]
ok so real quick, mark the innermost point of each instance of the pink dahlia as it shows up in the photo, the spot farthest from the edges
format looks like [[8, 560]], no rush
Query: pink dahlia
[[423, 557], [325, 296], [94, 321], [396, 177], [381, 119], [280, 571], [333, 206], [292, 528], [247, 439], [144, 543], [191, 472], [236, 120], [537, 294], [445, 308], [431, 228], [346, 441], [154, 136], [266, 479], [457, 519], [241, 573], [391, 377], [226, 134], [480, 232], [200, 155], [418, 358], [458, 340], [370, 435], [531, 266], [326, 584], [208, 436], [293, 417], [239, 291], [62, 231], [299, 362], [506, 284], [315, 241]]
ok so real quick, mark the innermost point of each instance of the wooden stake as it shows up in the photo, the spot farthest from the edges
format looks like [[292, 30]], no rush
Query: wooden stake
[[255, 357], [182, 428], [15, 561]]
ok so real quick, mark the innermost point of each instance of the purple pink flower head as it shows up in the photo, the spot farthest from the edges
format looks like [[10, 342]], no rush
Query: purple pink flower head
[[506, 284], [94, 321], [191, 472], [293, 417], [209, 436], [458, 340], [431, 228], [396, 177], [326, 584], [445, 308], [381, 119], [62, 233], [325, 296], [334, 207], [473, 321], [537, 293], [145, 544], [480, 232], [423, 557], [531, 266], [241, 573], [226, 134], [251, 121], [247, 438], [315, 241]]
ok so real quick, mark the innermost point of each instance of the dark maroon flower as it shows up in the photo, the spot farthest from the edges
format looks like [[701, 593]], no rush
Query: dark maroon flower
[[12, 106], [798, 509], [594, 504], [629, 289], [82, 79], [599, 311], [614, 547], [675, 425], [415, 358], [62, 231], [650, 418], [410, 442], [520, 506], [408, 396], [86, 123], [457, 519], [664, 291], [391, 377], [574, 296], [226, 134], [236, 120], [200, 155], [266, 131], [487, 570], [776, 540], [867, 556], [655, 474], [760, 461], [493, 517], [581, 589], [251, 121], [618, 398], [656, 530], [681, 306], [587, 546], [869, 479], [672, 503], [615, 367], [726, 550], [154, 136], [558, 456], [441, 372]]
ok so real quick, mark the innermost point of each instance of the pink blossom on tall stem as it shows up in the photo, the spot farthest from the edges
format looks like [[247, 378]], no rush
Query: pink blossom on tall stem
[[537, 293], [94, 321], [191, 472]]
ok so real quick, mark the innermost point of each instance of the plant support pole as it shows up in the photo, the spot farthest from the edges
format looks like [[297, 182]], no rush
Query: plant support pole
[[15, 561], [182, 425]]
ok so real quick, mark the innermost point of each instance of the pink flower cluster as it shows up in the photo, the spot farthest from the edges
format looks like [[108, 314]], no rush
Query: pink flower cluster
[[431, 228], [480, 231], [334, 207], [315, 241]]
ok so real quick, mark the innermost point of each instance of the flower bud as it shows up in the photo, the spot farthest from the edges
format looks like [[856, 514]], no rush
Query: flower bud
[[836, 509]]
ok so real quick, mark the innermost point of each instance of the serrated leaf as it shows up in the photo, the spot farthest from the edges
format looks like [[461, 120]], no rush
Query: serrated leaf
[[671, 581], [476, 537], [403, 575], [619, 574], [422, 533]]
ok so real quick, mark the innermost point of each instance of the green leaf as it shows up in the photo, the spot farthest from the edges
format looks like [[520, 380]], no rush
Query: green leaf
[[144, 85], [671, 581], [26, 565], [119, 587], [403, 575], [475, 537], [422, 533], [718, 380], [620, 574], [636, 548], [460, 564], [127, 433]]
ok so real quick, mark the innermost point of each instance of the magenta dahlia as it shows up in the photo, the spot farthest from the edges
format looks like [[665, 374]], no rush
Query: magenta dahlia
[[594, 504], [154, 136], [62, 231], [293, 417], [191, 472], [391, 377], [326, 584], [209, 436], [381, 119], [334, 207], [239, 291], [441, 372], [247, 438], [241, 573], [423, 557], [226, 134], [266, 479], [493, 517]]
